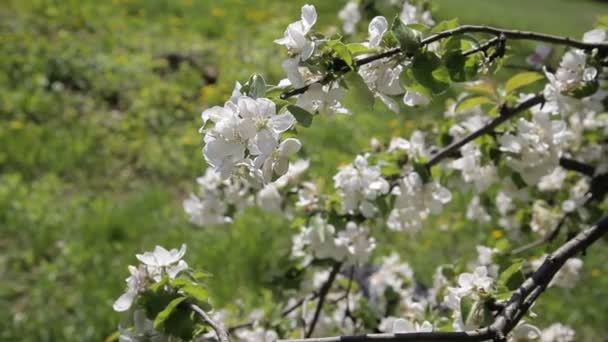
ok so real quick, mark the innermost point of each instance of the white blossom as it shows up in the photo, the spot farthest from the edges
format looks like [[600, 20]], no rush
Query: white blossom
[[471, 169], [415, 202], [392, 273], [413, 98], [416, 14], [256, 334], [541, 55], [350, 16], [357, 241], [543, 220], [295, 37], [323, 99], [136, 282], [376, 29], [469, 285], [308, 196], [320, 237], [358, 185], [536, 146], [269, 199], [477, 212], [399, 325], [154, 264], [553, 181], [557, 332], [524, 332]]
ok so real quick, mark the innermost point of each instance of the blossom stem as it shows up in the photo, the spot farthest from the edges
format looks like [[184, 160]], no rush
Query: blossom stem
[[515, 308]]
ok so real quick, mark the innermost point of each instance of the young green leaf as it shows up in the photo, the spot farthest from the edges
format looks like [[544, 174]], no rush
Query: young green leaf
[[445, 25], [303, 116], [408, 38], [196, 291], [428, 70], [521, 79], [471, 102], [162, 316], [257, 86], [512, 277], [358, 93], [341, 51], [466, 307]]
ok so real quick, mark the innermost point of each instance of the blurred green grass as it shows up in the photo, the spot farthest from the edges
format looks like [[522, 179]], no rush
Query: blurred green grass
[[100, 145]]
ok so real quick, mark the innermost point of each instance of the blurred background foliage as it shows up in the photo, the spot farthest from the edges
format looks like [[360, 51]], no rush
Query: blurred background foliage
[[99, 111]]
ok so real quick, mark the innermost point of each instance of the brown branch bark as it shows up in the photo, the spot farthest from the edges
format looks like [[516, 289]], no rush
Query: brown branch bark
[[322, 295], [222, 336], [506, 113], [513, 311]]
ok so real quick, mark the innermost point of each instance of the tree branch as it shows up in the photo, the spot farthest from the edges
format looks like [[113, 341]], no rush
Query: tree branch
[[507, 34], [515, 308], [575, 165], [222, 336], [506, 113], [322, 295]]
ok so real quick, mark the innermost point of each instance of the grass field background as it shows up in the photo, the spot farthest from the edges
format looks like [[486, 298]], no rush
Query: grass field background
[[99, 146]]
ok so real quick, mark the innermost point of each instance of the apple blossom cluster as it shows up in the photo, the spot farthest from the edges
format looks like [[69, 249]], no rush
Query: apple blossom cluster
[[359, 185], [352, 245], [154, 265], [511, 178], [246, 134]]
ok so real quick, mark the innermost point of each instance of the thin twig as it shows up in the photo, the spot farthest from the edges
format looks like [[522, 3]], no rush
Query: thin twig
[[506, 113], [284, 313], [322, 295], [222, 336], [482, 47], [516, 307], [571, 165]]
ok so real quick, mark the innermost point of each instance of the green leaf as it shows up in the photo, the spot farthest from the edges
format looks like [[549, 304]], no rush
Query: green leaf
[[160, 284], [445, 25], [471, 102], [512, 277], [155, 302], [162, 316], [408, 38], [522, 79], [466, 307], [341, 51], [422, 171], [358, 93], [428, 70], [418, 27], [196, 291], [588, 88], [181, 323], [257, 86], [280, 103], [518, 180], [180, 282], [359, 49], [303, 116], [200, 275], [485, 87]]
